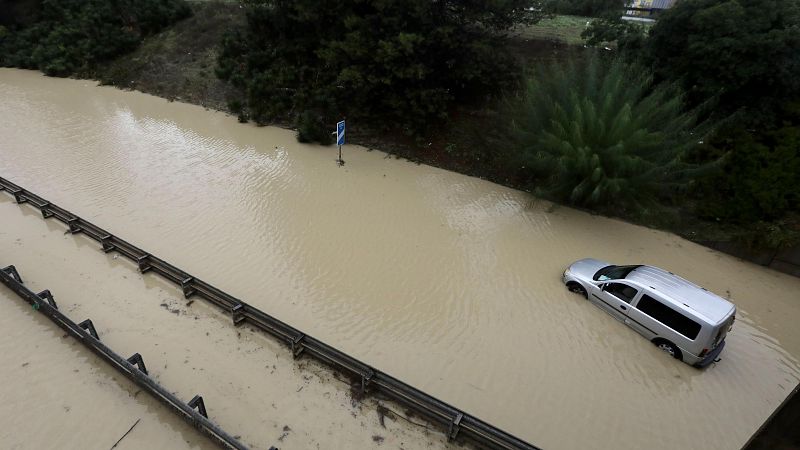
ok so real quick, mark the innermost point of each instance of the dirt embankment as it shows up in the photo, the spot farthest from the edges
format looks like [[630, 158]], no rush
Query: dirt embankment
[[178, 63]]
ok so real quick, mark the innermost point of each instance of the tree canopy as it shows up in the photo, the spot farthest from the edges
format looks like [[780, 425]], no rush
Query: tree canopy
[[388, 61], [747, 52], [746, 55], [591, 8], [69, 36]]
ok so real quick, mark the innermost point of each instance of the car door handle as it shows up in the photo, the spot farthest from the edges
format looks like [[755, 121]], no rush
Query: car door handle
[[623, 307]]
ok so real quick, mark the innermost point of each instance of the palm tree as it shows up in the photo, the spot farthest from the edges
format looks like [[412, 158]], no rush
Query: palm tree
[[600, 134]]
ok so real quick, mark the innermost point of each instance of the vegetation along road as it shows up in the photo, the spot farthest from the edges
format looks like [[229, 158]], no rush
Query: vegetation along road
[[599, 129]]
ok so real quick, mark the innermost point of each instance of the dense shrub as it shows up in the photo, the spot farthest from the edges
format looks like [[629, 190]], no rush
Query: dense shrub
[[744, 54], [19, 12], [389, 62], [590, 8], [311, 127], [761, 178], [600, 134], [747, 52], [629, 36], [70, 36]]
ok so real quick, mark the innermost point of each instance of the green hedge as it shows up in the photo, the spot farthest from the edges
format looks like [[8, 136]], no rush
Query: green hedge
[[70, 36], [391, 63]]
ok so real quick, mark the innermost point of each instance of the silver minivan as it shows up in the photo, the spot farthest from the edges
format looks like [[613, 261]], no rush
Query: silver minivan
[[683, 319]]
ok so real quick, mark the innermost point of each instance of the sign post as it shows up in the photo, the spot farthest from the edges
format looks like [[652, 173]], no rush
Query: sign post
[[340, 141]]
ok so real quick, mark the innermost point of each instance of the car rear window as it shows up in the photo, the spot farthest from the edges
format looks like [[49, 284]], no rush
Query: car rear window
[[668, 316]]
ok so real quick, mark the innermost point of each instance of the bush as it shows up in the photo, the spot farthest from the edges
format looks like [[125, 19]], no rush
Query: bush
[[392, 63], [628, 37], [760, 180], [599, 134], [589, 8], [744, 51], [70, 36], [745, 54], [311, 127]]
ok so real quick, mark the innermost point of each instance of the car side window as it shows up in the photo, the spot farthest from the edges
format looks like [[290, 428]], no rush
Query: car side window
[[621, 291], [669, 317]]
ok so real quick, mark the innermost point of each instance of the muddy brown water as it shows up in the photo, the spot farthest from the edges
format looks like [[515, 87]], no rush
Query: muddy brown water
[[447, 282]]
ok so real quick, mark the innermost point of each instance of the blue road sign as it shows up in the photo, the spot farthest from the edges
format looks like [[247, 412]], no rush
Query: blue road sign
[[340, 133]]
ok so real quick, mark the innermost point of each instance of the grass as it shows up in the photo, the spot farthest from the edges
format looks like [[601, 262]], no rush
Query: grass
[[564, 29]]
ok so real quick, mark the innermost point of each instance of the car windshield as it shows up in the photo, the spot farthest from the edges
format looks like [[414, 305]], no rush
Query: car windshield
[[613, 272]]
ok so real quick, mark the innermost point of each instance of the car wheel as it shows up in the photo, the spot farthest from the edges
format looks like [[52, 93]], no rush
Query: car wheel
[[577, 288], [668, 348]]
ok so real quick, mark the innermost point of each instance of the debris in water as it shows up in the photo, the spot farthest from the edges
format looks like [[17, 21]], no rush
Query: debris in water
[[126, 433]]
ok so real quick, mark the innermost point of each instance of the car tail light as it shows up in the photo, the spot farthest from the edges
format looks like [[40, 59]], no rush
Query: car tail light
[[704, 352]]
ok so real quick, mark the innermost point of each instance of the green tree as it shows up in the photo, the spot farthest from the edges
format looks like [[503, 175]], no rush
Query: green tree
[[628, 36], [761, 178], [601, 135], [590, 8], [747, 52], [70, 36], [382, 61]]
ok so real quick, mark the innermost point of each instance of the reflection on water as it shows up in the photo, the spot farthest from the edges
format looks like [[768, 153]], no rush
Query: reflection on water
[[448, 282]]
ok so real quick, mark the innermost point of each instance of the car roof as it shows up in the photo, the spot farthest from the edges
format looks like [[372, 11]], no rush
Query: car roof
[[683, 293]]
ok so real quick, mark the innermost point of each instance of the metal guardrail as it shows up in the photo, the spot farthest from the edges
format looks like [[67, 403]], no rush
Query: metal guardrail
[[194, 412], [457, 423]]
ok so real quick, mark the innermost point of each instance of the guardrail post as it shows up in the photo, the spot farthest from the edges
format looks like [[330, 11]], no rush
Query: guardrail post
[[186, 285], [12, 271], [89, 326], [452, 431], [198, 404], [297, 345], [106, 242], [136, 360], [365, 379], [46, 213], [194, 412], [237, 314], [74, 227], [46, 295], [144, 263], [18, 196]]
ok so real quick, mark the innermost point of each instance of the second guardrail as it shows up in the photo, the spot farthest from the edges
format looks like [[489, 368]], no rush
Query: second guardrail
[[457, 423], [194, 412]]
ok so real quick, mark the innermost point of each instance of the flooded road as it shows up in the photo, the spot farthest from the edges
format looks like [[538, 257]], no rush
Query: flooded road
[[449, 283], [250, 384], [55, 395]]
